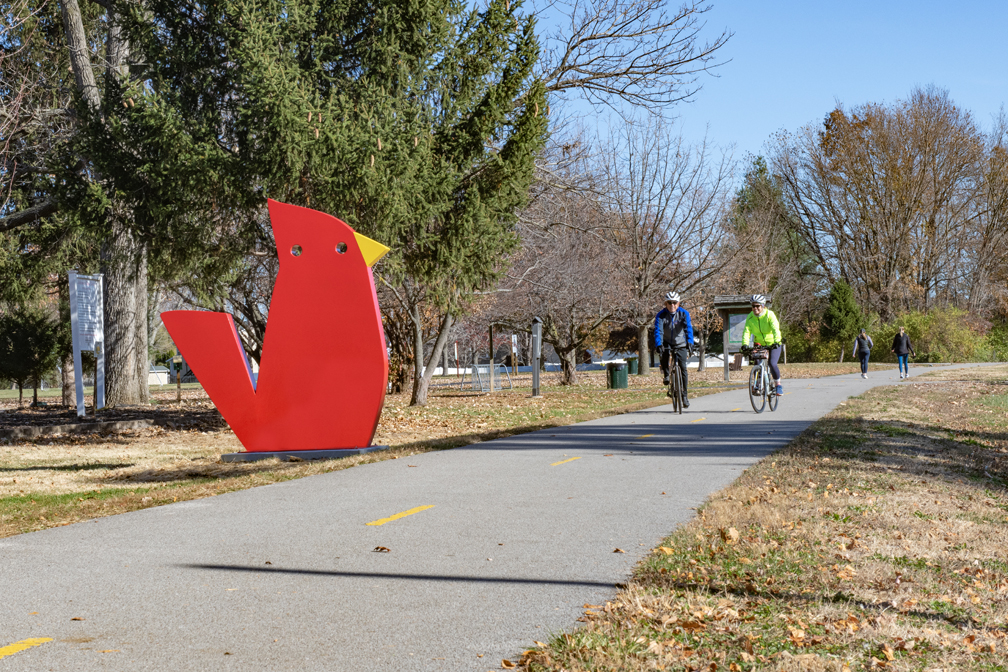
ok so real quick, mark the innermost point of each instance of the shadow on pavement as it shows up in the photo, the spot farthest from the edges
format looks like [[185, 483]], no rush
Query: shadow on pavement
[[408, 577], [703, 439]]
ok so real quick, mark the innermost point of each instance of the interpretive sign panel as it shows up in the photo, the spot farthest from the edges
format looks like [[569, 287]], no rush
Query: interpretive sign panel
[[736, 329], [87, 329]]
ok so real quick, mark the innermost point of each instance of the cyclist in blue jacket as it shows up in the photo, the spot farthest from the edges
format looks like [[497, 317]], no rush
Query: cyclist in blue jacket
[[673, 334]]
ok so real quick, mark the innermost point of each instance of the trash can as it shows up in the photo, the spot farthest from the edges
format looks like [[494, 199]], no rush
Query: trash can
[[616, 376], [632, 367]]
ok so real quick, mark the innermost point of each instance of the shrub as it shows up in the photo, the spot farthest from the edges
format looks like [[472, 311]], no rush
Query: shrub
[[939, 335], [996, 343]]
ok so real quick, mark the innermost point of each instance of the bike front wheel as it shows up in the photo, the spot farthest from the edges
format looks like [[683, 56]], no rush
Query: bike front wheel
[[757, 390]]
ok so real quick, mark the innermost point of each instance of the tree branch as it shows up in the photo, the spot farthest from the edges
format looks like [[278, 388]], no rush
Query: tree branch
[[22, 217]]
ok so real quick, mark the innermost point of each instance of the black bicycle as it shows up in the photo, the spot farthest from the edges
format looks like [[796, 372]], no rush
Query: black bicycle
[[761, 389], [675, 388]]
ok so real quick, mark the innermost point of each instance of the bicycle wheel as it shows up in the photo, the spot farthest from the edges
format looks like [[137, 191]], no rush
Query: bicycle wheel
[[675, 390], [771, 390], [756, 392]]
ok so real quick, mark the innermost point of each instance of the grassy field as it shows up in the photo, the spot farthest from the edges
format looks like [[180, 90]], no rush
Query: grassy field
[[59, 480], [876, 540]]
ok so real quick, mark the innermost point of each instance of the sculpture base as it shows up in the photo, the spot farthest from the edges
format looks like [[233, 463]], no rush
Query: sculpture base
[[298, 455]]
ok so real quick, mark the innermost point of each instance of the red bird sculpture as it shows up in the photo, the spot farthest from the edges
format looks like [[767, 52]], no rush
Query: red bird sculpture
[[324, 367]]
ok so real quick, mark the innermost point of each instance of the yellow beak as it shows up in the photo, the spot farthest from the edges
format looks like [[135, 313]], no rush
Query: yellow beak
[[371, 249]]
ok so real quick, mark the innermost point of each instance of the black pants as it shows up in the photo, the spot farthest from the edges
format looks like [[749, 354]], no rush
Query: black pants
[[680, 354], [775, 353]]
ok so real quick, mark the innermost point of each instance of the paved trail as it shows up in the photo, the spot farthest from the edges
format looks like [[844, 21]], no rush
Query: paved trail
[[517, 536]]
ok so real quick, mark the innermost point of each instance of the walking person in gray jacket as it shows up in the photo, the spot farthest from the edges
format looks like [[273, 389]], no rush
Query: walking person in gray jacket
[[901, 347], [862, 348]]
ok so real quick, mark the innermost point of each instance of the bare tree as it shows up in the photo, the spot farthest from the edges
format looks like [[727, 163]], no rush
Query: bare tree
[[987, 273], [640, 52], [884, 197], [769, 258], [564, 272], [666, 205]]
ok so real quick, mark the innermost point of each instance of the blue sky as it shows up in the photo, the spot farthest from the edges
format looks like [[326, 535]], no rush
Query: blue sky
[[791, 62]]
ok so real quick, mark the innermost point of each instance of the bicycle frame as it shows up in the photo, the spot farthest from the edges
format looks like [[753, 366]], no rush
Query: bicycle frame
[[760, 394]]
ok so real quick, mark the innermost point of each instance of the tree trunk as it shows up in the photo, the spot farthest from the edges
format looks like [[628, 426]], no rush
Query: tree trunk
[[35, 384], [141, 326], [421, 383], [701, 357], [124, 260], [418, 358], [643, 350], [124, 264], [20, 394], [68, 381], [568, 362], [80, 61]]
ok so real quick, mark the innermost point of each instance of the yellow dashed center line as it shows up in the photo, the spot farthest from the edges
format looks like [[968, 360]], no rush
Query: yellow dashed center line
[[397, 516], [644, 436], [698, 420], [735, 409], [570, 459], [11, 649]]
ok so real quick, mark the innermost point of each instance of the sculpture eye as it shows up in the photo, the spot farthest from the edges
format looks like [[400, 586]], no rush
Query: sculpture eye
[[341, 247], [296, 250]]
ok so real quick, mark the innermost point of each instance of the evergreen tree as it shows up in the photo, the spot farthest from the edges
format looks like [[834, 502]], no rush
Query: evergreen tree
[[843, 317], [417, 124], [28, 348]]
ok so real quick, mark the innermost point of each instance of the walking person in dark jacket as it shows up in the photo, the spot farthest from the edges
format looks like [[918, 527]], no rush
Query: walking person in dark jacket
[[901, 347], [673, 334], [862, 348]]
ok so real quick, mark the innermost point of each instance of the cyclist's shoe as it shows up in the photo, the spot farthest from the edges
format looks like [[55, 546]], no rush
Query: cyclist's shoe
[[685, 402], [780, 391], [665, 381]]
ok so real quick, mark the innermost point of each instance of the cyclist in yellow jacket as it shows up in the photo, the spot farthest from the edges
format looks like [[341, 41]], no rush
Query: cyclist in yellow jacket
[[762, 325]]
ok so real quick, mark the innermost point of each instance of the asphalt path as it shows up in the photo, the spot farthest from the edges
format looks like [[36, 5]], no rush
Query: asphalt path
[[499, 544]]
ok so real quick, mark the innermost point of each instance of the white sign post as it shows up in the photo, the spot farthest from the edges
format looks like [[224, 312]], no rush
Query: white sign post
[[514, 354], [87, 328]]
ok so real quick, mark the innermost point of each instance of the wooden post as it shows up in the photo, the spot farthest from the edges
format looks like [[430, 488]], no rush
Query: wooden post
[[177, 369], [726, 325]]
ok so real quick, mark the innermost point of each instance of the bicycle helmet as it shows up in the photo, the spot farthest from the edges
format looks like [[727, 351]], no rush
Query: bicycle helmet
[[672, 296], [758, 298]]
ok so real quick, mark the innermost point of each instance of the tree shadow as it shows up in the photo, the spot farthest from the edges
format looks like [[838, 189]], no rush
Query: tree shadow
[[838, 598], [73, 467]]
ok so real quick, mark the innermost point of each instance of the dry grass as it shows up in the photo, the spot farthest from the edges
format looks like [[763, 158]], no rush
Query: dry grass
[[874, 541], [986, 373]]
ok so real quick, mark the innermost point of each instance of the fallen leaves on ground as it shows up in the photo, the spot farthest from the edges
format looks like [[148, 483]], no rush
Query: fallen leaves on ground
[[874, 541]]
